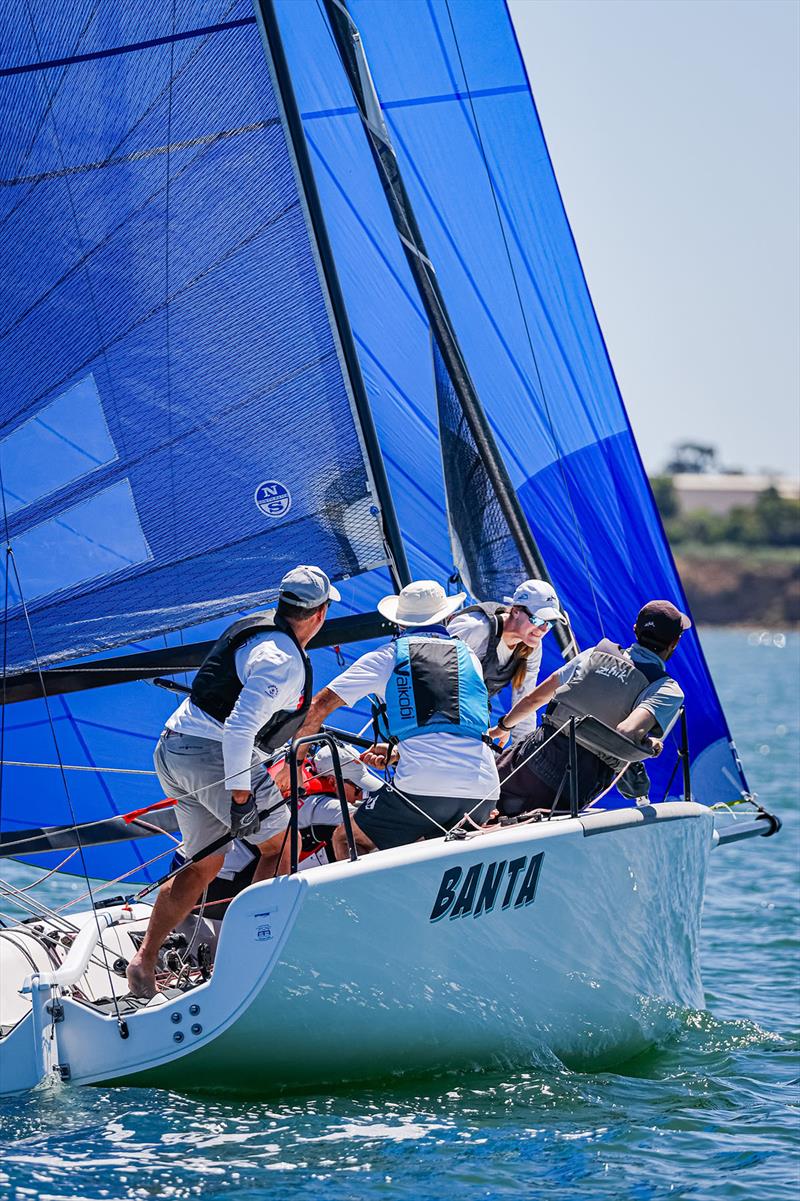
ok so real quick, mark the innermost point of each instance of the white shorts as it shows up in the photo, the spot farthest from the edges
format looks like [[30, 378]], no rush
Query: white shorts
[[192, 770]]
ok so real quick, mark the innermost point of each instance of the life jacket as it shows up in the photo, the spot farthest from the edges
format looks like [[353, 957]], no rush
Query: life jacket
[[217, 685], [435, 688], [495, 674], [606, 686]]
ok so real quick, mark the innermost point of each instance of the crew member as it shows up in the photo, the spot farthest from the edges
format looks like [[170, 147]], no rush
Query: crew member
[[629, 690], [436, 708], [507, 638], [319, 814], [250, 695]]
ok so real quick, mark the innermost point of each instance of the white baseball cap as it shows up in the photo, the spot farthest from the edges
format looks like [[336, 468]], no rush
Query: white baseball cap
[[539, 598], [307, 587], [420, 603], [352, 768]]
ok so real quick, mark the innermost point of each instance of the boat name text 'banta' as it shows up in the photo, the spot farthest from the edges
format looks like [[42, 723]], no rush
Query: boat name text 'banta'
[[505, 881]]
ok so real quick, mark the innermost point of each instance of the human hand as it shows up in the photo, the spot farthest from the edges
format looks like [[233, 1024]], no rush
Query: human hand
[[499, 735], [376, 756], [244, 813], [656, 745], [283, 778]]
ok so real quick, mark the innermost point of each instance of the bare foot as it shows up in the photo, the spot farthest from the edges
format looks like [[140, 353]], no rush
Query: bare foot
[[141, 981]]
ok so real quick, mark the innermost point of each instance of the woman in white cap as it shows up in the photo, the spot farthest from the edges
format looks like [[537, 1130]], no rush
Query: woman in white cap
[[507, 638], [249, 696], [436, 707]]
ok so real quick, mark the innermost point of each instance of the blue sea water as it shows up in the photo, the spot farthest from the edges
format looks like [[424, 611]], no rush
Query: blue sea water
[[712, 1115]]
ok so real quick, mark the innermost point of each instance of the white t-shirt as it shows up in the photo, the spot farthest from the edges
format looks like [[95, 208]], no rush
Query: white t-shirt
[[474, 629], [430, 764], [272, 675]]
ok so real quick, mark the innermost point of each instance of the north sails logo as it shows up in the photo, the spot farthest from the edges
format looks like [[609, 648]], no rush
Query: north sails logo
[[485, 884], [273, 498]]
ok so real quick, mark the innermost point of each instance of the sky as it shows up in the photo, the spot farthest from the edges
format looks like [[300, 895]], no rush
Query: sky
[[674, 129]]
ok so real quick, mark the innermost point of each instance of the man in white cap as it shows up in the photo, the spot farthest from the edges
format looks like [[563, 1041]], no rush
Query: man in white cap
[[436, 709], [507, 638], [248, 698]]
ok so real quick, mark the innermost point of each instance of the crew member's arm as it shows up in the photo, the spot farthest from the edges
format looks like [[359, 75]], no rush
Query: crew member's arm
[[322, 705], [270, 683], [637, 724], [655, 714], [543, 693]]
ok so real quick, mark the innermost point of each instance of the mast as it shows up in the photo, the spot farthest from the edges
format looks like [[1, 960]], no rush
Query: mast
[[271, 33], [353, 58]]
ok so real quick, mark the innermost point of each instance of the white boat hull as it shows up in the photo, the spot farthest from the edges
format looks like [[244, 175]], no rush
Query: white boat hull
[[405, 962]]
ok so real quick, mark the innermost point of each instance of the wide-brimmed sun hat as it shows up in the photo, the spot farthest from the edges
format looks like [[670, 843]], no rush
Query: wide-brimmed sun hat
[[420, 603]]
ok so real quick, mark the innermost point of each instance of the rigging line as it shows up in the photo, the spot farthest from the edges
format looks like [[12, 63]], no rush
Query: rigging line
[[117, 771], [117, 880], [41, 879], [68, 795], [556, 446], [168, 312]]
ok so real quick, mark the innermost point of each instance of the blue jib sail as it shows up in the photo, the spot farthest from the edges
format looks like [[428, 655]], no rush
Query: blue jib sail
[[252, 371], [458, 106]]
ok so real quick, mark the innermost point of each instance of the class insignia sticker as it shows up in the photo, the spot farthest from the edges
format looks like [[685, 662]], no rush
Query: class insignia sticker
[[504, 882], [273, 498]]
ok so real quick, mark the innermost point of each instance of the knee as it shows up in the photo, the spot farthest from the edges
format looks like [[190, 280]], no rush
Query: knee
[[205, 870]]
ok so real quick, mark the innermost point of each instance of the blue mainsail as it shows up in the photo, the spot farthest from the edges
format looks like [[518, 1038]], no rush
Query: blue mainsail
[[166, 335], [457, 103]]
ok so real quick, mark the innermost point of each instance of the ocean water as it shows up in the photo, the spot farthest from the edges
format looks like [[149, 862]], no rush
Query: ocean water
[[711, 1115]]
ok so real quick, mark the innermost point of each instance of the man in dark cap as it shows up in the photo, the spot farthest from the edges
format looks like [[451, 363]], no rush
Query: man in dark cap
[[629, 690]]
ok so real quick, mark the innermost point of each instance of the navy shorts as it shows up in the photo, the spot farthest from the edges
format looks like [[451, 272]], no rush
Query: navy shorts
[[389, 820]]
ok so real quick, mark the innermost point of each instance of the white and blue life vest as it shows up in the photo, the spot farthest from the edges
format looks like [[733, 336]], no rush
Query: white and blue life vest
[[435, 688]]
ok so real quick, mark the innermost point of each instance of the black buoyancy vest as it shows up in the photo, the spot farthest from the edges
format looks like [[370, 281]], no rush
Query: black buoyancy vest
[[495, 674], [217, 685], [606, 686]]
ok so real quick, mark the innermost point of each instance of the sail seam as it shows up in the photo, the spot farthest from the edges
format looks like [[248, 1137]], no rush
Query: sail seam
[[131, 48]]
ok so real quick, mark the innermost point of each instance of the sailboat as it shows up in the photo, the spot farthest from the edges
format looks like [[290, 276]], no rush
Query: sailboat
[[293, 282]]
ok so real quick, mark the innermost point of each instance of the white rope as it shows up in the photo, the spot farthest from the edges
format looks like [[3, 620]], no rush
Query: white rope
[[522, 763]]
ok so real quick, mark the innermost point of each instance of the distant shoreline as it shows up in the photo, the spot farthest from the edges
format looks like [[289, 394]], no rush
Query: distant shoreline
[[751, 589]]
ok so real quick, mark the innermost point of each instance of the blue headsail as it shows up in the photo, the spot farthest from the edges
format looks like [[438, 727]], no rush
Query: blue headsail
[[459, 110], [177, 425]]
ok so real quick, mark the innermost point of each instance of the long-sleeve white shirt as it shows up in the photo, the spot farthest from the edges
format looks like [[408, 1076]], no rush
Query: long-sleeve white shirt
[[272, 676], [474, 629]]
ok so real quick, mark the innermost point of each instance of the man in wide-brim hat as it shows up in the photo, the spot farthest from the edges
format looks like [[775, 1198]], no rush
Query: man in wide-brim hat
[[435, 707]]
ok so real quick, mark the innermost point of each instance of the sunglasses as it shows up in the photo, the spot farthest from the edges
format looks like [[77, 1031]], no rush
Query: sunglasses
[[539, 623]]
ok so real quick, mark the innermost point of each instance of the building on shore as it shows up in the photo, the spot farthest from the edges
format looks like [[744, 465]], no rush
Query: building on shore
[[719, 493]]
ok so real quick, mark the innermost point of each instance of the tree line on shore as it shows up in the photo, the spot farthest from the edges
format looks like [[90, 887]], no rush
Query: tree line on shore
[[772, 520]]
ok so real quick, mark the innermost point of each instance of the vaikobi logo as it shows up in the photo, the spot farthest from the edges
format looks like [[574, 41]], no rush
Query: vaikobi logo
[[273, 498], [486, 884]]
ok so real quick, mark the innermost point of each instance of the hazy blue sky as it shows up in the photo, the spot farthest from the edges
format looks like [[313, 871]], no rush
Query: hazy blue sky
[[674, 127]]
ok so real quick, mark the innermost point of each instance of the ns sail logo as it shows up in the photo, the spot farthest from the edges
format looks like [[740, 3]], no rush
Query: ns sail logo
[[485, 886], [273, 498]]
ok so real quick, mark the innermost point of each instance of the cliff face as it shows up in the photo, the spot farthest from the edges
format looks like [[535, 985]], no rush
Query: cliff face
[[747, 589]]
